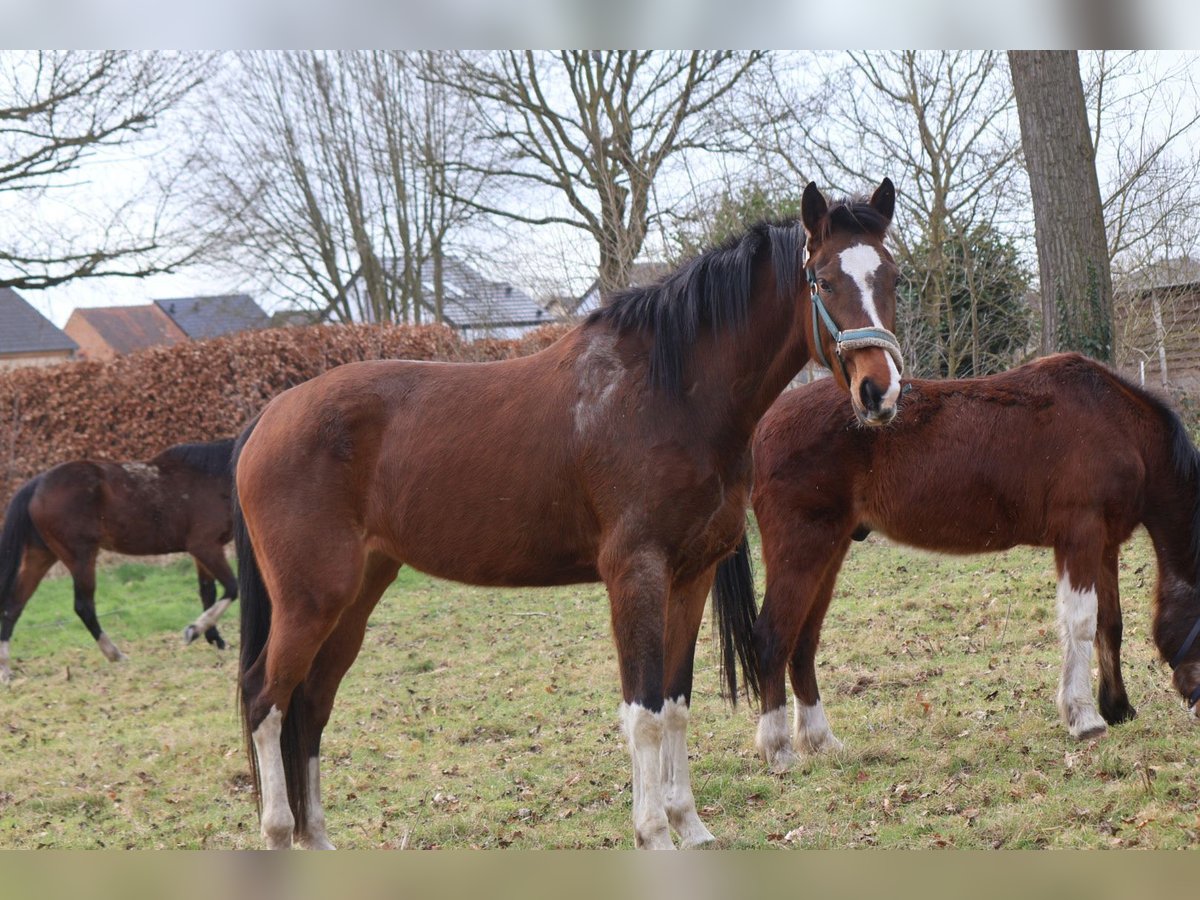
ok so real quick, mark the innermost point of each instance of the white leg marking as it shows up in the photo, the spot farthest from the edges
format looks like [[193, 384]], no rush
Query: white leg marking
[[5, 672], [677, 782], [314, 837], [644, 731], [774, 742], [1077, 628], [277, 819], [206, 620], [109, 649], [813, 734]]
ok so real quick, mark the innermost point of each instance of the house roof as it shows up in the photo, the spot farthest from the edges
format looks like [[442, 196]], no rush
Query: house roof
[[640, 275], [209, 317], [25, 330], [128, 328], [471, 301]]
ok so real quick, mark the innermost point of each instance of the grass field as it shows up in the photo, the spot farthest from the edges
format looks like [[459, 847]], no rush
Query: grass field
[[487, 718]]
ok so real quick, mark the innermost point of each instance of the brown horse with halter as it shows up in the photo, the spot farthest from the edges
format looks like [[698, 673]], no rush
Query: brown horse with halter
[[620, 453], [1060, 453], [177, 501]]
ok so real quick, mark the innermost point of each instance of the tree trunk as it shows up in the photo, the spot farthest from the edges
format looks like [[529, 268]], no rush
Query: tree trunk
[[1076, 282]]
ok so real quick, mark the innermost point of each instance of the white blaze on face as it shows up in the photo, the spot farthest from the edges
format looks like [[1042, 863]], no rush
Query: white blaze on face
[[861, 263]]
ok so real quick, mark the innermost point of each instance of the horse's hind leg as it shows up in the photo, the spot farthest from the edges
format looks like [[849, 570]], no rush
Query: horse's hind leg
[[210, 564], [796, 593], [309, 591], [685, 609], [811, 730], [1114, 702], [1078, 570], [34, 566], [336, 656], [208, 596], [82, 566]]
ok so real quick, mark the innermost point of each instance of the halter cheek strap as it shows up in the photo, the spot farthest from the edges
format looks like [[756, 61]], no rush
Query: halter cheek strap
[[851, 338]]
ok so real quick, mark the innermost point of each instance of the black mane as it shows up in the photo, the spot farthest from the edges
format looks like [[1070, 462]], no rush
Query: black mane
[[209, 458], [1185, 459], [711, 291]]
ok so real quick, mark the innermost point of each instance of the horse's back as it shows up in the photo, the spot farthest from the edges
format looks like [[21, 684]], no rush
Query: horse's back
[[439, 465]]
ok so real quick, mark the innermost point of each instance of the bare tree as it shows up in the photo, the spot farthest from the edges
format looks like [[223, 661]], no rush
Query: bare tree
[[60, 113], [1143, 113], [328, 176], [938, 123], [588, 133], [1073, 255]]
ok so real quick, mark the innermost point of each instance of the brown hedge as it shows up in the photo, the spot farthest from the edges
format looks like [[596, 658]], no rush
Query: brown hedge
[[135, 405]]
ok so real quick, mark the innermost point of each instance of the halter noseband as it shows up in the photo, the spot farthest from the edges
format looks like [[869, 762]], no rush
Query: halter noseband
[[851, 338], [1182, 652]]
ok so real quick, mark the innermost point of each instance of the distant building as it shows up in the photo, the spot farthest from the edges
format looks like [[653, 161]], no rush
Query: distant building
[[1156, 316], [641, 274], [104, 332], [475, 306], [201, 318], [27, 338]]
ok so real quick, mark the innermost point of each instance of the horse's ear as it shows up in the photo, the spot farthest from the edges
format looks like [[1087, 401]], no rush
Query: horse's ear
[[812, 208], [884, 199]]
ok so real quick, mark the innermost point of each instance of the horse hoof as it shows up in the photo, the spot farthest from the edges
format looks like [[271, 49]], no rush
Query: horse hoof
[[1090, 732], [783, 761], [5, 676], [190, 634]]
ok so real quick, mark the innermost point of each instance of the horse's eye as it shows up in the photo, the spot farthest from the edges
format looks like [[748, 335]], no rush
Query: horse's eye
[[824, 285]]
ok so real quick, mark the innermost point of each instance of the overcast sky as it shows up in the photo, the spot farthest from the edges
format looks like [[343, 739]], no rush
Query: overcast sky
[[114, 175]]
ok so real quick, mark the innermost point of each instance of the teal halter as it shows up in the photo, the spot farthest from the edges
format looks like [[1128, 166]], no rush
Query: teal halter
[[851, 338]]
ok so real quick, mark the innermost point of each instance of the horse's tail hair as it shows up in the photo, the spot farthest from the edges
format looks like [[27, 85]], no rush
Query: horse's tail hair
[[256, 628], [19, 532], [735, 610]]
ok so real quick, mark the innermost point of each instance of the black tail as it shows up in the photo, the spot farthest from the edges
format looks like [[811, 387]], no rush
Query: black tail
[[18, 533], [256, 627], [735, 611]]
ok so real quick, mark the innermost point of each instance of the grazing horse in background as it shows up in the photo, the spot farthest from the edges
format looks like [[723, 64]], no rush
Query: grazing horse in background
[[179, 500], [1059, 453], [620, 453]]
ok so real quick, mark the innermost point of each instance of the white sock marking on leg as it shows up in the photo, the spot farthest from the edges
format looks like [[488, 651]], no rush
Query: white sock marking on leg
[[314, 837], [108, 648], [644, 731], [1077, 629], [773, 740], [678, 800], [277, 819], [813, 734]]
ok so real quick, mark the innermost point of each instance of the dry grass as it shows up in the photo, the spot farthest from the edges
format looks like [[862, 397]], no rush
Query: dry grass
[[486, 718]]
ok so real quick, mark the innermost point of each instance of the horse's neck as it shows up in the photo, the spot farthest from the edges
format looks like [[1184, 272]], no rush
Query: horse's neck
[[753, 367]]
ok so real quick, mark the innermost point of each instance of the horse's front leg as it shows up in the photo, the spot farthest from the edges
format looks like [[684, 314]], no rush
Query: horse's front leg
[[1077, 611], [685, 609], [1114, 701], [638, 586]]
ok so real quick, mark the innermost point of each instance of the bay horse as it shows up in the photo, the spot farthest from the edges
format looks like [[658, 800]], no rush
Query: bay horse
[[177, 501], [620, 454], [1060, 453]]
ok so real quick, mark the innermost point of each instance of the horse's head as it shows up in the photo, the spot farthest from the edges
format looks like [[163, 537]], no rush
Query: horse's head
[[1177, 634], [852, 289]]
